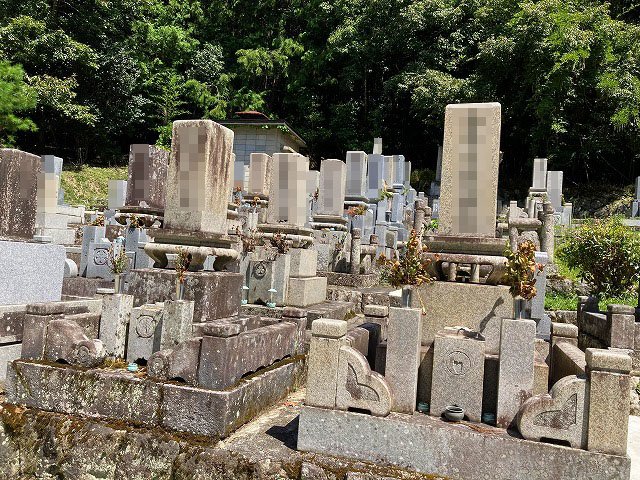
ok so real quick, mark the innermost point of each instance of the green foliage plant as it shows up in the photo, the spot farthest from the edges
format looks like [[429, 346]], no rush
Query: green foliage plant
[[183, 259], [117, 261], [522, 270], [605, 254], [15, 97], [410, 268]]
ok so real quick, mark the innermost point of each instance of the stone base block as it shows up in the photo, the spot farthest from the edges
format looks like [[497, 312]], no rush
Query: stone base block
[[216, 294], [60, 236], [447, 305], [306, 291], [31, 272], [119, 395], [83, 287], [432, 446], [361, 280]]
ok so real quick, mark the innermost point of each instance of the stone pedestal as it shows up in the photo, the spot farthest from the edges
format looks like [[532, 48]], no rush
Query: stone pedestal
[[516, 371], [403, 357], [216, 294], [608, 373], [458, 373], [114, 321], [324, 353]]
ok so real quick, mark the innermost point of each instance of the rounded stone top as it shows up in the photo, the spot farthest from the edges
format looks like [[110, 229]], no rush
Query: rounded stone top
[[356, 233], [328, 327], [608, 360]]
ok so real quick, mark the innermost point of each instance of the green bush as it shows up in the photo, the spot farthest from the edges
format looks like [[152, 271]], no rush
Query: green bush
[[605, 254]]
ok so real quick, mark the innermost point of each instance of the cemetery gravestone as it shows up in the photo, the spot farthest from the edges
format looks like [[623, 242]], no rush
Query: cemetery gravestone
[[18, 193], [260, 165], [554, 189], [332, 187], [539, 181], [470, 160], [356, 174], [147, 176], [199, 177], [287, 200]]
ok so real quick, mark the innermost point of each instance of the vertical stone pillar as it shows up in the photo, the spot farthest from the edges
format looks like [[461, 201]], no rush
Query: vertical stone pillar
[[621, 319], [177, 321], [116, 313], [90, 234], [199, 177], [419, 218], [585, 304], [428, 214], [356, 242], [516, 371], [299, 317], [548, 230], [608, 373], [34, 333], [403, 357], [147, 176], [513, 238], [324, 353]]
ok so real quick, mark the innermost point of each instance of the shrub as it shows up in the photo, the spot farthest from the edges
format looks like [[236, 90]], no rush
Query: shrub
[[410, 269], [522, 270], [605, 253]]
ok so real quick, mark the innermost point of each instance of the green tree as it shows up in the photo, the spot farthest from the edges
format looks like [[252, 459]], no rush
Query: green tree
[[15, 98]]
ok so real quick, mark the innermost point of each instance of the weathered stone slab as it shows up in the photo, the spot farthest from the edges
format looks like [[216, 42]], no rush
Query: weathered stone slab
[[18, 193], [608, 372], [539, 181], [306, 291], [114, 322], [324, 354], [199, 177], [32, 272], [147, 176], [458, 373], [448, 305], [90, 234], [145, 327], [403, 357], [177, 321], [516, 373], [224, 360], [356, 174], [94, 393], [216, 294], [470, 160], [431, 446]]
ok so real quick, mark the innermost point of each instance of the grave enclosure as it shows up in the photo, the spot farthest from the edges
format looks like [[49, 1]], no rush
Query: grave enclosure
[[281, 295]]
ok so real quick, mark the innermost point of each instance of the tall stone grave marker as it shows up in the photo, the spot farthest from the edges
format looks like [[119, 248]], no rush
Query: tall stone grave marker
[[356, 174], [238, 175], [470, 160], [377, 146], [260, 165], [539, 181], [332, 187], [387, 170], [146, 183], [635, 204], [287, 199], [554, 189], [18, 193], [117, 194], [199, 177], [398, 171], [407, 174], [374, 176]]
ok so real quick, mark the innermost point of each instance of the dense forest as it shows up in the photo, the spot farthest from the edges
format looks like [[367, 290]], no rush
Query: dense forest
[[85, 78]]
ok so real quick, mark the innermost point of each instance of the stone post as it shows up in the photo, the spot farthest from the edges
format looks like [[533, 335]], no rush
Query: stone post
[[34, 333], [403, 357], [516, 371], [513, 238], [428, 214], [299, 317], [324, 353], [177, 321], [608, 373], [419, 218], [356, 242], [585, 304], [563, 332], [116, 313], [621, 319], [548, 230]]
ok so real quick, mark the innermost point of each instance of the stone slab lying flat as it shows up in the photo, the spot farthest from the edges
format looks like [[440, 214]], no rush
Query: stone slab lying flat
[[430, 445], [119, 395], [360, 280]]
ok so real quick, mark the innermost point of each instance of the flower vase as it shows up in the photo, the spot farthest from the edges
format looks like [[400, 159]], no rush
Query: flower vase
[[179, 289], [118, 283], [521, 308], [407, 293]]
